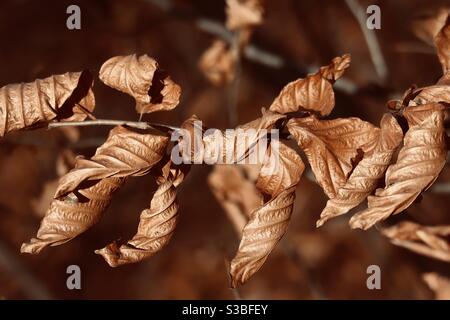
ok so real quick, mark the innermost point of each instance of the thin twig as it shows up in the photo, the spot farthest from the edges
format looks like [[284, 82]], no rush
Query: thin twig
[[105, 122], [233, 90], [371, 39], [251, 51]]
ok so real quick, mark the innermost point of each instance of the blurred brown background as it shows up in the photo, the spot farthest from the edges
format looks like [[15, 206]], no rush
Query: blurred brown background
[[310, 263]]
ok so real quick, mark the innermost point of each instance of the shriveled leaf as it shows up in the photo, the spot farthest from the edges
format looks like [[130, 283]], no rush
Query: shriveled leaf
[[243, 14], [190, 141], [419, 163], [164, 95], [156, 225], [125, 153], [218, 63], [399, 104], [439, 284], [78, 211], [234, 188], [265, 228], [333, 147], [282, 168], [313, 93], [141, 78], [367, 173], [438, 93], [246, 144], [268, 223], [66, 97], [427, 241]]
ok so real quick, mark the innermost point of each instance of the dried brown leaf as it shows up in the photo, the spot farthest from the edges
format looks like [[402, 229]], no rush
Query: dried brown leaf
[[438, 93], [243, 14], [156, 225], [234, 188], [332, 146], [190, 142], [282, 168], [367, 173], [67, 97], [125, 153], [427, 241], [141, 78], [268, 223], [439, 284], [246, 142], [71, 216], [218, 63], [313, 93], [419, 163]]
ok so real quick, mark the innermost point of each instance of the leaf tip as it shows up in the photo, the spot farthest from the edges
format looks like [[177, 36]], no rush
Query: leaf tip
[[111, 254], [34, 246]]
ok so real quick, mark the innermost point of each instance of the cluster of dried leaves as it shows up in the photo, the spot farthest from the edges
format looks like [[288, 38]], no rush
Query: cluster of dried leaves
[[219, 61], [349, 157]]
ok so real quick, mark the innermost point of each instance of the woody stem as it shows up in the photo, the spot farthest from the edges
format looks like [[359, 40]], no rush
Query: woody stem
[[107, 122]]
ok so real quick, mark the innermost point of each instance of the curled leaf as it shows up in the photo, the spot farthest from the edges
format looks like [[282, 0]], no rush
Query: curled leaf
[[313, 93], [244, 144], [190, 141], [332, 147], [243, 14], [156, 225], [427, 241], [125, 153], [218, 63], [367, 173], [419, 163], [249, 140], [438, 93], [282, 168], [78, 211], [141, 78], [268, 223], [67, 96]]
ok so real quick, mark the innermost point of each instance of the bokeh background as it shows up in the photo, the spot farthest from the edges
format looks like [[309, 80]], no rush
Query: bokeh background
[[299, 36]]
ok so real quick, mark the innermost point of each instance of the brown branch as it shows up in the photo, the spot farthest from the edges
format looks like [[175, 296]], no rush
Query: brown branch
[[106, 122], [252, 52]]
